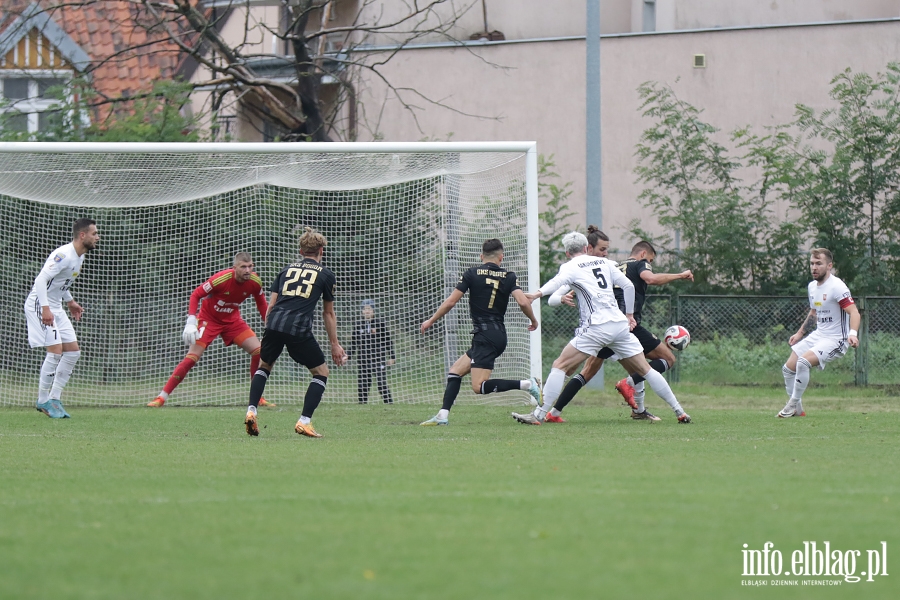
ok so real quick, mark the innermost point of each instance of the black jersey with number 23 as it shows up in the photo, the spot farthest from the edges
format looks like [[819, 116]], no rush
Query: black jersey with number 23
[[299, 287], [489, 287]]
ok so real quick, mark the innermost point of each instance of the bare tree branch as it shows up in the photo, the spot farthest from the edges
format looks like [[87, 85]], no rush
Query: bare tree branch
[[284, 87]]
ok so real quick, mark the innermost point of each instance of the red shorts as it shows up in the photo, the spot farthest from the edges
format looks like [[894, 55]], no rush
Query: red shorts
[[233, 332]]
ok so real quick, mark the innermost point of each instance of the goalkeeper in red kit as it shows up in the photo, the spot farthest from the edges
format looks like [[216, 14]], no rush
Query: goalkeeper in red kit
[[220, 315]]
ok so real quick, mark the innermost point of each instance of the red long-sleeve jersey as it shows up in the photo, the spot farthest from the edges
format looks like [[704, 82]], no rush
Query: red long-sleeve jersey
[[222, 296]]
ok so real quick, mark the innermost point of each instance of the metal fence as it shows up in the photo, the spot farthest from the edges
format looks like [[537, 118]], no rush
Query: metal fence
[[742, 340]]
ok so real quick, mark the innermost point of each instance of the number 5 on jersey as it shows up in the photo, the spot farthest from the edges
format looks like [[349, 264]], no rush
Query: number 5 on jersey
[[601, 280], [299, 282]]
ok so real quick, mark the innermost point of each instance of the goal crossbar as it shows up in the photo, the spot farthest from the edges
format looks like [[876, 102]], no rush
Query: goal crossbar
[[97, 179]]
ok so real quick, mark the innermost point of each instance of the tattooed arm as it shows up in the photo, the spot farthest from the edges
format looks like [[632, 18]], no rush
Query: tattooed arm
[[807, 327]]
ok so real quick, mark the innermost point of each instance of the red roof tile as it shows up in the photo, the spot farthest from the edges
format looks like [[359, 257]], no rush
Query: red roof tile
[[124, 55]]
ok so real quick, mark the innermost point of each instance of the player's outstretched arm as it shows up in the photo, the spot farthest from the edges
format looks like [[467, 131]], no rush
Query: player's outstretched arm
[[663, 278], [563, 295], [448, 304], [525, 305]]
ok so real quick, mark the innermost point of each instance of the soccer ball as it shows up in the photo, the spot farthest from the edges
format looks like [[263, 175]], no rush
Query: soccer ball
[[677, 337]]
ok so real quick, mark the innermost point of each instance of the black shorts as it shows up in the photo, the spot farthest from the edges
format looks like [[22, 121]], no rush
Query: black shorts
[[304, 350], [487, 346], [648, 341]]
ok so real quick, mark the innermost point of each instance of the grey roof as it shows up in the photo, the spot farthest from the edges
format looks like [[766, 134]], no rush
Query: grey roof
[[34, 17]]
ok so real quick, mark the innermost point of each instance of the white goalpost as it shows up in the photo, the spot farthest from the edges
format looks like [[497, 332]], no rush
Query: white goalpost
[[403, 221]]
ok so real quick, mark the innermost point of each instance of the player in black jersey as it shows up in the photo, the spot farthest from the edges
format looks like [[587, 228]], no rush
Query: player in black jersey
[[637, 267], [489, 286], [295, 293]]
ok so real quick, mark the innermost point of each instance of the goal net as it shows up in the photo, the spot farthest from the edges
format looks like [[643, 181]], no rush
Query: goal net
[[402, 222]]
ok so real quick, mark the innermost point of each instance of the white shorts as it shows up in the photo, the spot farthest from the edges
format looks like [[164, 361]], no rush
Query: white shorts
[[826, 349], [614, 335], [40, 335]]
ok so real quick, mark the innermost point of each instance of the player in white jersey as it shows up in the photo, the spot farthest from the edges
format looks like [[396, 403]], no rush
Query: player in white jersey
[[603, 325], [48, 324], [836, 321]]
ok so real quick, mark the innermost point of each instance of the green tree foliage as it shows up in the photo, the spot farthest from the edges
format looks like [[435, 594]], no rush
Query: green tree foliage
[[728, 234], [156, 116], [841, 169], [837, 171]]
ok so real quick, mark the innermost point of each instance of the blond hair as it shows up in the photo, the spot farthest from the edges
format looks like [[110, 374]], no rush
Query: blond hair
[[242, 257], [311, 242]]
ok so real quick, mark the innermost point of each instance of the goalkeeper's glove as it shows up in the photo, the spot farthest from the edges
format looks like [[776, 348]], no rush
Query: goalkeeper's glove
[[191, 333]]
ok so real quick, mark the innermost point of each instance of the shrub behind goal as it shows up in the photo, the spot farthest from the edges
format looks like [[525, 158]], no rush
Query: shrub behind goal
[[402, 222]]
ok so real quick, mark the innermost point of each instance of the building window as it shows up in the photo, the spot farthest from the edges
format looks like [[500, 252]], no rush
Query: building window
[[225, 127], [25, 97]]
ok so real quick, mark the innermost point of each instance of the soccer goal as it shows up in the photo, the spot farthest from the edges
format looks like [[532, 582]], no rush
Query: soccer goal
[[402, 220]]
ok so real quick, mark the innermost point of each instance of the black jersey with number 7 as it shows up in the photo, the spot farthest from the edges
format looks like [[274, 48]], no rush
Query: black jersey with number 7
[[489, 287]]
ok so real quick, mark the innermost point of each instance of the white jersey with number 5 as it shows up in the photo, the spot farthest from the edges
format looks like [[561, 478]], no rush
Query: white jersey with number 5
[[593, 279], [51, 286], [829, 299]]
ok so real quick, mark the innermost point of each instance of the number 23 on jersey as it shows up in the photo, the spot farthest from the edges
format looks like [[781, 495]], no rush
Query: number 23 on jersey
[[299, 282]]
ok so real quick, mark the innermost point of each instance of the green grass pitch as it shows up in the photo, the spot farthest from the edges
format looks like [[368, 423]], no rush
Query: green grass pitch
[[181, 503]]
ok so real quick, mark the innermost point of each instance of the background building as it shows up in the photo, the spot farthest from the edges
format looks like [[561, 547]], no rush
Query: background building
[[523, 76], [44, 44], [477, 69]]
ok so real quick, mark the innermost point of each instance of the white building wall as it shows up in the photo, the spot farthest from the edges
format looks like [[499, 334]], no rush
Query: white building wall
[[704, 14], [535, 90], [516, 19], [754, 77]]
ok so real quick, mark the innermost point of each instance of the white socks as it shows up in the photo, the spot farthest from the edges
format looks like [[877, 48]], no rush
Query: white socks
[[789, 377], [659, 385], [48, 372], [801, 380], [525, 384], [639, 396], [552, 389], [443, 414], [63, 372]]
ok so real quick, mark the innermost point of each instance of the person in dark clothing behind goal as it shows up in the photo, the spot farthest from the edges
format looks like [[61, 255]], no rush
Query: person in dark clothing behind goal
[[294, 295], [489, 286], [373, 349]]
